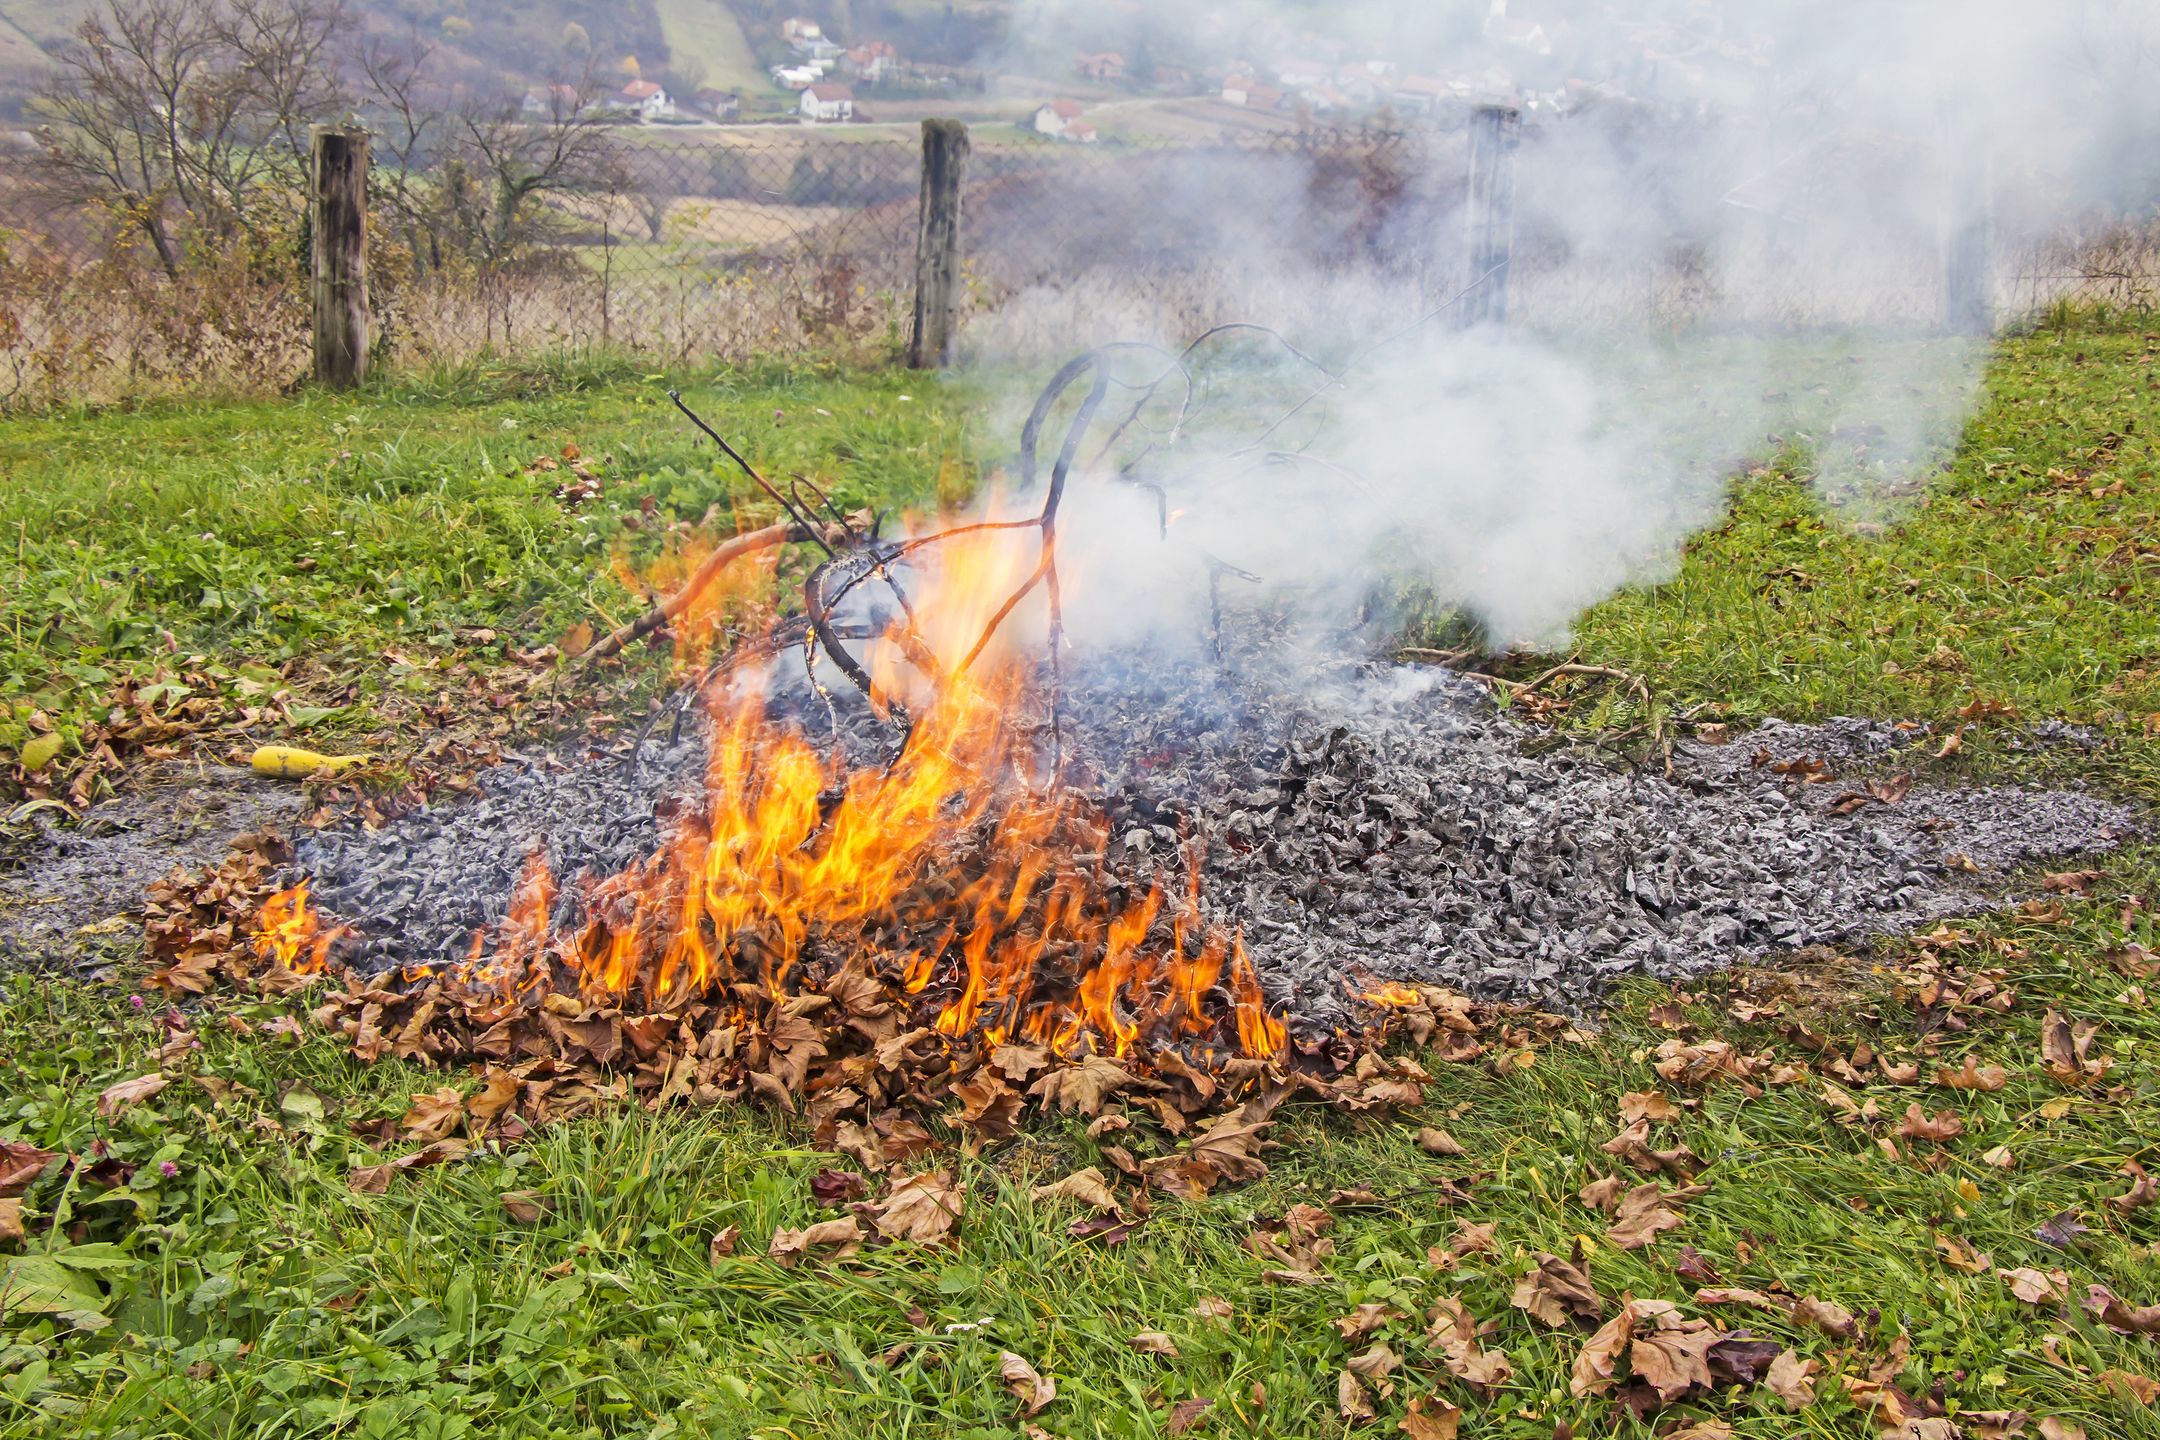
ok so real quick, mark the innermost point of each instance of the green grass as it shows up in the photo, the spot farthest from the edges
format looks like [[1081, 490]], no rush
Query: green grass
[[709, 32], [354, 539], [252, 1293]]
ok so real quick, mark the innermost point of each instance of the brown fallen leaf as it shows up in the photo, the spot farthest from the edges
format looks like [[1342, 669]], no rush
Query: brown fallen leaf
[[20, 1166], [1434, 1141], [526, 1207], [2111, 1310], [434, 1115], [1153, 1342], [1364, 1320], [2143, 1189], [2130, 1386], [1642, 1215], [1033, 1390], [1430, 1417], [1792, 1379], [1087, 1187], [1211, 1308], [1664, 1350], [923, 1208], [1647, 1105], [1555, 1291], [375, 1179], [1960, 1256], [1186, 1414], [1825, 1315], [2037, 1287], [2055, 1428], [113, 1098], [11, 1221], [1457, 1334], [1941, 1128], [1352, 1400], [838, 1239], [2064, 1047], [723, 1244], [1603, 1193], [497, 1093], [1376, 1362], [1974, 1076], [1084, 1087]]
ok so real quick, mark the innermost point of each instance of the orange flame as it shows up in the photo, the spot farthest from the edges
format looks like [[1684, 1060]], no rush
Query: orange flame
[[289, 931], [949, 867]]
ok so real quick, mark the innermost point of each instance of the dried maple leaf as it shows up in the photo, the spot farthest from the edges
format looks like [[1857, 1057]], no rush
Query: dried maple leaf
[[2037, 1287], [1187, 1413], [837, 1238], [1633, 1146], [1352, 1400], [1032, 1389], [723, 1244], [1362, 1321], [1556, 1290], [2143, 1189], [1604, 1193], [1941, 1128], [1435, 1141], [1647, 1105], [2053, 1427], [113, 1098], [1640, 1216], [1457, 1333], [1084, 1087], [1741, 1358], [497, 1093], [2143, 1389], [922, 1208], [1431, 1418], [1696, 1267], [989, 1108], [2064, 1045], [20, 1166], [1211, 1308], [838, 1187], [434, 1115], [1974, 1076], [525, 1207], [1825, 1315], [375, 1179], [1153, 1342], [1375, 1363], [1792, 1379], [1088, 1187]]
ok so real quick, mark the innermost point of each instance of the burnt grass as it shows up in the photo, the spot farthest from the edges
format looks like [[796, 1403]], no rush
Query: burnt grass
[[1357, 823]]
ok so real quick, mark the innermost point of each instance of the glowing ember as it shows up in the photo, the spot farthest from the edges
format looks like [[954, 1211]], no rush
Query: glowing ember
[[951, 872]]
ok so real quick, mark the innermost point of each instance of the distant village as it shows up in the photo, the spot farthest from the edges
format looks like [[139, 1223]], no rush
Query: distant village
[[1306, 75]]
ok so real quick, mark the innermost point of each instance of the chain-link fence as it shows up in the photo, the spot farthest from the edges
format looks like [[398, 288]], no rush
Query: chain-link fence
[[738, 240]]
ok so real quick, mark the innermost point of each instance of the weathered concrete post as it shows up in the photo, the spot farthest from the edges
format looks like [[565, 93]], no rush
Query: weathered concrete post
[[1968, 237], [1490, 212], [937, 244], [339, 256]]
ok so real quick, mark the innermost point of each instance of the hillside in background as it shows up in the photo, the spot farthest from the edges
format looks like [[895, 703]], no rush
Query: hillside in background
[[516, 42]]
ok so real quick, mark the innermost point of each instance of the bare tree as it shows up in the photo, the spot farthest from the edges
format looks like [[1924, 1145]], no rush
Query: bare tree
[[408, 113], [198, 107], [510, 154]]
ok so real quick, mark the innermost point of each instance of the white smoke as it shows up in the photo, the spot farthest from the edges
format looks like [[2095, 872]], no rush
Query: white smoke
[[1799, 149]]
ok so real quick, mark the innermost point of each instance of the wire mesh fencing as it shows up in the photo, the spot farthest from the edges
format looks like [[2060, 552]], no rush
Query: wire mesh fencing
[[732, 241]]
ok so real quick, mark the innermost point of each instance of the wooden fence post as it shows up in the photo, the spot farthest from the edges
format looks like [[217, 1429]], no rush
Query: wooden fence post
[[338, 256], [1969, 238], [937, 244], [1490, 212]]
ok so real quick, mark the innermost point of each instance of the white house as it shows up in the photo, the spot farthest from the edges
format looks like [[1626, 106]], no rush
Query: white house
[[645, 100], [1052, 118], [1079, 132], [801, 31], [797, 77], [828, 102]]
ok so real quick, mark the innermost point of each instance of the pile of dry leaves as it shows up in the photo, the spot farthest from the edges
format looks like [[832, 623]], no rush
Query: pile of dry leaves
[[848, 1052]]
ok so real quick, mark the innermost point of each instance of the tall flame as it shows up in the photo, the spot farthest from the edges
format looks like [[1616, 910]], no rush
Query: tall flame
[[950, 867]]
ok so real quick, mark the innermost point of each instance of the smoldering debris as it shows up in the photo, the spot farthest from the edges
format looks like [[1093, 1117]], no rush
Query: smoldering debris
[[1388, 824]]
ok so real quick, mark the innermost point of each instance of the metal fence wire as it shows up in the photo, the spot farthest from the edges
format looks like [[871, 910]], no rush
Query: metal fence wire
[[741, 240]]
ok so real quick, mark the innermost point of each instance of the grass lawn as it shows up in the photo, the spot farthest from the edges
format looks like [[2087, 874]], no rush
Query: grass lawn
[[710, 33], [206, 1269]]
